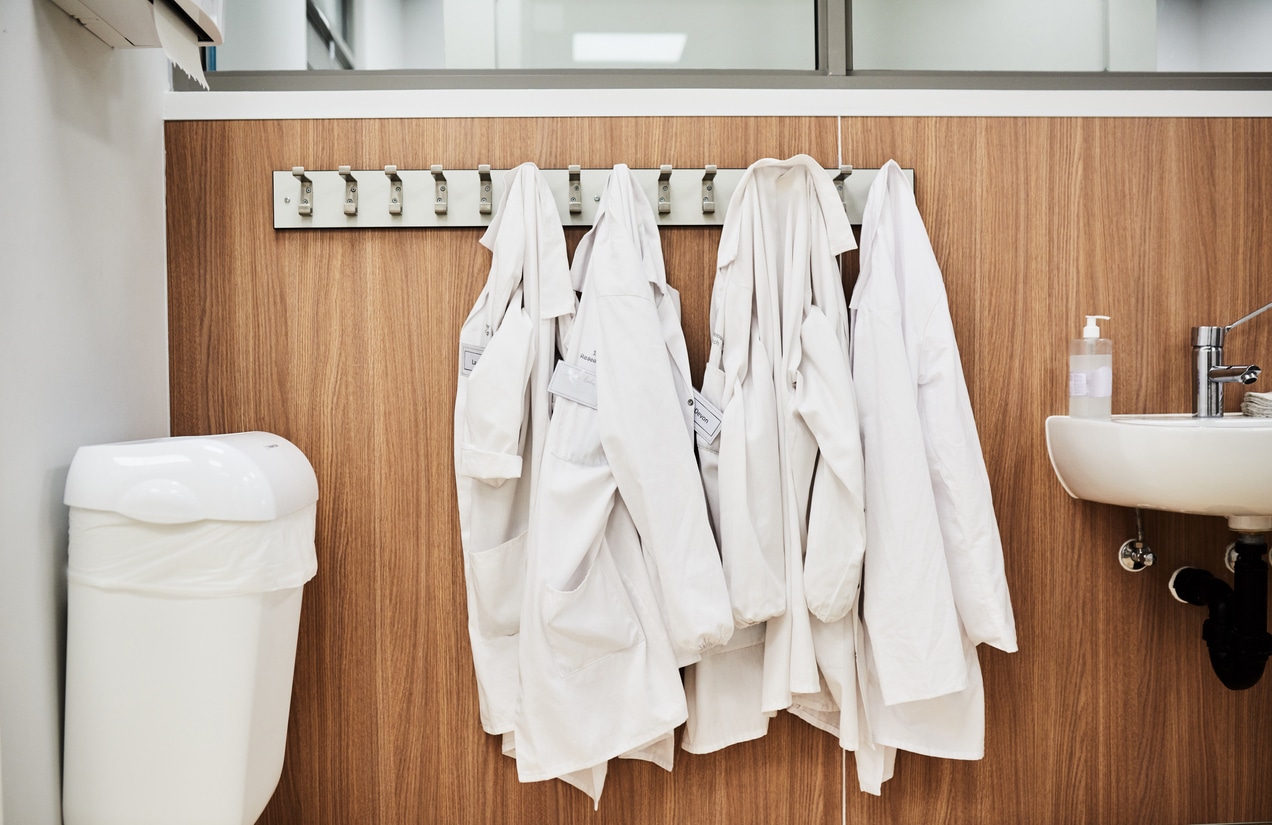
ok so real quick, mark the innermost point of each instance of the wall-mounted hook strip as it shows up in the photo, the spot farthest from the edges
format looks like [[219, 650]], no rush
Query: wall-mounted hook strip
[[395, 190], [486, 190], [576, 189], [708, 188], [305, 203], [350, 190], [458, 193], [441, 198]]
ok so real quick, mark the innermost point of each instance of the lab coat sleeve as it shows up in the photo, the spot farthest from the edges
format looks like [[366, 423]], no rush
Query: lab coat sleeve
[[907, 604], [960, 482], [491, 444], [651, 456], [836, 526], [746, 464], [750, 515]]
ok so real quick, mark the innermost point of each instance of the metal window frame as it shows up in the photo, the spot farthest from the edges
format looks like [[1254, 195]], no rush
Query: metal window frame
[[833, 71], [315, 18]]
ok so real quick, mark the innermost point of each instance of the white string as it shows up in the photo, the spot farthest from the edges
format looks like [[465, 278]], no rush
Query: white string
[[839, 137], [843, 785]]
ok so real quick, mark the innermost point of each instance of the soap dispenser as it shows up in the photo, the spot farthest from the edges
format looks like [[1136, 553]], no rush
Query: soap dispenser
[[1091, 372]]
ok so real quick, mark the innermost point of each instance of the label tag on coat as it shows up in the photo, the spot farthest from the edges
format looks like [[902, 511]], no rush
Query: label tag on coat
[[468, 357], [575, 382], [706, 418]]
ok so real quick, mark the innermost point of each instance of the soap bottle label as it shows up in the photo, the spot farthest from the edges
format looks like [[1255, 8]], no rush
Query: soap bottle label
[[1100, 383], [1096, 383]]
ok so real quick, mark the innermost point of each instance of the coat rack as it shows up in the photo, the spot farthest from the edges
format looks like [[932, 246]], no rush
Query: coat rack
[[391, 198]]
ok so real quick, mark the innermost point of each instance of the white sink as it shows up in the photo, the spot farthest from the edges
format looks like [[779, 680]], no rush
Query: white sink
[[1207, 466]]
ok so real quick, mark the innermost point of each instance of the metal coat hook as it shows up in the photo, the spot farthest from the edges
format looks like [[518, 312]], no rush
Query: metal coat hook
[[575, 189], [708, 188], [395, 190], [664, 188], [840, 185], [486, 190], [306, 204], [351, 190], [440, 203]]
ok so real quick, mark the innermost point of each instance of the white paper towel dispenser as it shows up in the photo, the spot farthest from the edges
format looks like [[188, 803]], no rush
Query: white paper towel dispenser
[[129, 24]]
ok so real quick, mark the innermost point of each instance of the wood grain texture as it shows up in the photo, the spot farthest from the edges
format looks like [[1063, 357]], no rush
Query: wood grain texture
[[1109, 712], [344, 342]]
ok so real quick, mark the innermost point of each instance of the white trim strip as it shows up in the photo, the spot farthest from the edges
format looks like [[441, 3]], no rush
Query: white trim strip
[[713, 102]]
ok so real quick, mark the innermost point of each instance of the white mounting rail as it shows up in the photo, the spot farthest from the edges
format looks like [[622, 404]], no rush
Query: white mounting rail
[[438, 198]]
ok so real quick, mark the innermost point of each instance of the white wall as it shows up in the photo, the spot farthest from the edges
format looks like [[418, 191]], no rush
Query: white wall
[[1214, 36], [1178, 36], [1237, 36], [719, 34], [263, 35], [423, 34], [83, 336], [979, 35], [378, 36], [1004, 35]]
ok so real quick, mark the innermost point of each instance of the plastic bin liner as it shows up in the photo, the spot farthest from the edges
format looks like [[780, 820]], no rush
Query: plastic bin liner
[[200, 559]]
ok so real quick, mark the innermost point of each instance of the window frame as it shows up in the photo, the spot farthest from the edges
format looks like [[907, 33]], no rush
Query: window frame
[[833, 43]]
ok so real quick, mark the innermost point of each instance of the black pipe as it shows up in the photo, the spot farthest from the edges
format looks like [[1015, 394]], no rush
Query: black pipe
[[1236, 631]]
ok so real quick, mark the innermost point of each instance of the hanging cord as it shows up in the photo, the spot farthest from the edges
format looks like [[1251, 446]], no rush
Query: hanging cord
[[839, 138], [843, 785]]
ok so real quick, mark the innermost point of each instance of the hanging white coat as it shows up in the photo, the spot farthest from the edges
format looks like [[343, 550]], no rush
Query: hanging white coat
[[623, 580], [507, 351], [778, 373], [935, 585]]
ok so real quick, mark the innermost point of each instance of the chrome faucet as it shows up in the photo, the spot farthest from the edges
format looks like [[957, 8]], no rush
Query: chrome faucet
[[1210, 373]]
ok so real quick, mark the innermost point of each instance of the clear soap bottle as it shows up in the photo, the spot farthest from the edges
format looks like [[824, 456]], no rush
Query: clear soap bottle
[[1091, 372]]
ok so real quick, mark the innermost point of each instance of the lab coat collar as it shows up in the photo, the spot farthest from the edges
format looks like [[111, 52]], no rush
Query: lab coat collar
[[527, 199], [889, 183], [626, 209], [838, 227]]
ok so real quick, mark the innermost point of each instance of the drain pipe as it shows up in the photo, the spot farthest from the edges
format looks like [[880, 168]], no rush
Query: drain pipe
[[1237, 628]]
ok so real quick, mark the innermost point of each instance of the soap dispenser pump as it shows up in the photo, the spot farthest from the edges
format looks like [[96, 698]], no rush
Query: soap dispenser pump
[[1091, 372]]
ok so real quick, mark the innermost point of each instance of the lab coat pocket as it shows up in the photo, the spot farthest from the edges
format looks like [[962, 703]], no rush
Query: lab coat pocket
[[495, 576], [592, 621], [575, 437]]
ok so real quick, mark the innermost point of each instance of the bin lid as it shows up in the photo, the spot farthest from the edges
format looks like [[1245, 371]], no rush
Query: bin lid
[[237, 477]]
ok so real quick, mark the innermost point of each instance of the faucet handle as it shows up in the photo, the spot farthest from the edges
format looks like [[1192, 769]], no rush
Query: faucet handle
[[1237, 323], [1209, 336]]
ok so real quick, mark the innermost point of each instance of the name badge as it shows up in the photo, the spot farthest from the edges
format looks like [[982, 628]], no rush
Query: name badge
[[575, 382], [706, 418], [468, 357]]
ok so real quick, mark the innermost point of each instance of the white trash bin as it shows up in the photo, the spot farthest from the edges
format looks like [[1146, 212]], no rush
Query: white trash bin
[[187, 560]]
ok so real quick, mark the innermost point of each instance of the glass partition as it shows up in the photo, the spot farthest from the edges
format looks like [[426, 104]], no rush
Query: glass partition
[[1075, 36], [811, 39], [520, 34]]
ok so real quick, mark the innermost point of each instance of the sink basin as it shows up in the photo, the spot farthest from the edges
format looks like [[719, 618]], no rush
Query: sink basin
[[1207, 466]]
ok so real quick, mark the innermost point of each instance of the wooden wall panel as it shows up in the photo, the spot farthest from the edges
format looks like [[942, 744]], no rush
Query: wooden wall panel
[[344, 342], [1109, 713]]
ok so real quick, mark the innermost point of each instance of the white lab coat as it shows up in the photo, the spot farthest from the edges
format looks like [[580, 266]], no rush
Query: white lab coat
[[778, 371], [934, 577], [507, 352], [623, 579]]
